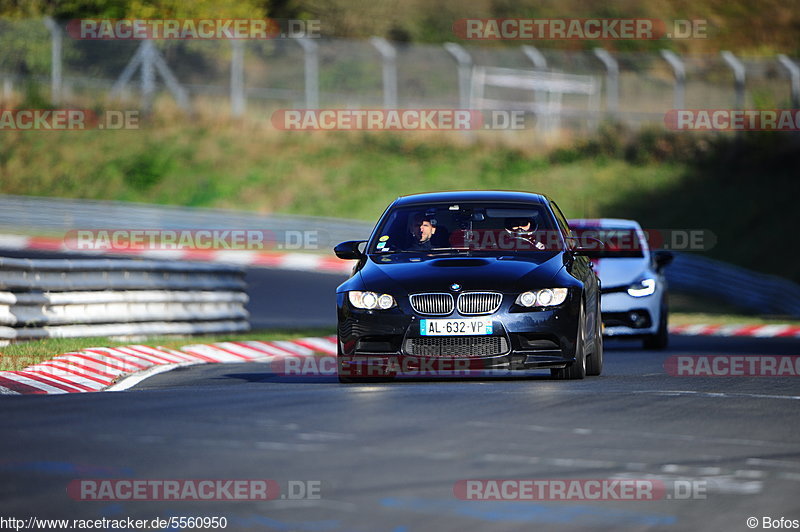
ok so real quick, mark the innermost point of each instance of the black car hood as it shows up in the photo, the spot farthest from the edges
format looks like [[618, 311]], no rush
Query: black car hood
[[421, 273]]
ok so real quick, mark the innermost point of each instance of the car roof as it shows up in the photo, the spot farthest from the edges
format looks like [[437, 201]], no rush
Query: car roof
[[471, 195], [619, 223]]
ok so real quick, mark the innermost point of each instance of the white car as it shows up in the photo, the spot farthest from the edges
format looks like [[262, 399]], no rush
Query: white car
[[633, 303]]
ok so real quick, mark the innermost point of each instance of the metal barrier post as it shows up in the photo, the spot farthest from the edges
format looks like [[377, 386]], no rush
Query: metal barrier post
[[794, 72], [680, 77], [464, 61], [311, 65], [389, 57], [535, 56], [56, 37], [612, 80], [738, 76], [238, 100]]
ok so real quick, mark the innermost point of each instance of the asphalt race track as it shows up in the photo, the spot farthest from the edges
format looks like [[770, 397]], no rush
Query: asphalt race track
[[386, 457]]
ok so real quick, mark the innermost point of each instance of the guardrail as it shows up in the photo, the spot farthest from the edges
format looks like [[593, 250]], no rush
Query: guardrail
[[56, 214], [740, 287], [57, 298]]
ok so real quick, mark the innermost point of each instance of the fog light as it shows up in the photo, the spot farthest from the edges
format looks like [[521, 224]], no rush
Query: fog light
[[636, 319]]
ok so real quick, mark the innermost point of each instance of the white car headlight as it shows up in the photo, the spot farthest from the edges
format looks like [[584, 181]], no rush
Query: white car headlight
[[385, 301], [371, 300], [546, 297], [645, 287]]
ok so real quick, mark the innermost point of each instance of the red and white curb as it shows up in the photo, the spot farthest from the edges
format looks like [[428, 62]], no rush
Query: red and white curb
[[119, 368], [258, 259], [756, 331]]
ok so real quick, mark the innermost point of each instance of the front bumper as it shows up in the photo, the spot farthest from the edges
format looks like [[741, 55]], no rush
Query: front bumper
[[371, 342], [625, 315]]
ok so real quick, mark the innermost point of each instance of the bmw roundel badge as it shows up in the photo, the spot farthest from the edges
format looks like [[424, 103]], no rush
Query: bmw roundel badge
[[455, 287]]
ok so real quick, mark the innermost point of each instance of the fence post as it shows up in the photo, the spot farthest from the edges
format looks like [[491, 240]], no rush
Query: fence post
[[680, 77], [389, 57], [738, 76], [539, 63], [464, 61], [128, 72], [56, 45], [535, 56], [238, 100], [178, 92], [148, 73], [794, 72], [148, 60], [311, 61], [612, 80]]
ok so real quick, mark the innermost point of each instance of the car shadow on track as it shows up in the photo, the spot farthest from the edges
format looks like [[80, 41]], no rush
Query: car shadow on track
[[265, 377]]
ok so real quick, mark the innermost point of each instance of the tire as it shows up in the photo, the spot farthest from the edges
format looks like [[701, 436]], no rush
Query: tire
[[576, 370], [594, 365], [660, 339]]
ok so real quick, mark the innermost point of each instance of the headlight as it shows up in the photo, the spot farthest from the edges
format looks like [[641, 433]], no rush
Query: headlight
[[645, 287], [546, 297], [385, 301], [371, 300]]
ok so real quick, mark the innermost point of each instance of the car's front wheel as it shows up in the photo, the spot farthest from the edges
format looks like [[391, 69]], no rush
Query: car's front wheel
[[576, 370], [660, 339], [594, 365]]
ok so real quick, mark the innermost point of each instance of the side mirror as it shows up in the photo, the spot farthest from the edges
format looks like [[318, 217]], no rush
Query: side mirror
[[592, 248], [663, 258], [349, 250]]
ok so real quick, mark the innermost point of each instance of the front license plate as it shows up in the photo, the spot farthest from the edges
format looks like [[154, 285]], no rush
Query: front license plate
[[455, 327]]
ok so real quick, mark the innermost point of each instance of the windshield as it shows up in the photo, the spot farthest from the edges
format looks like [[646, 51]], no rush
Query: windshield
[[618, 242], [463, 227]]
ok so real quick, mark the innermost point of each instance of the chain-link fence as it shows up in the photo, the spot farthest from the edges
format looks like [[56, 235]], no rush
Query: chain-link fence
[[41, 61]]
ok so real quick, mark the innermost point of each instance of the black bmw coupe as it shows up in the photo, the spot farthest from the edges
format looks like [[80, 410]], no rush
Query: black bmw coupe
[[469, 282]]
